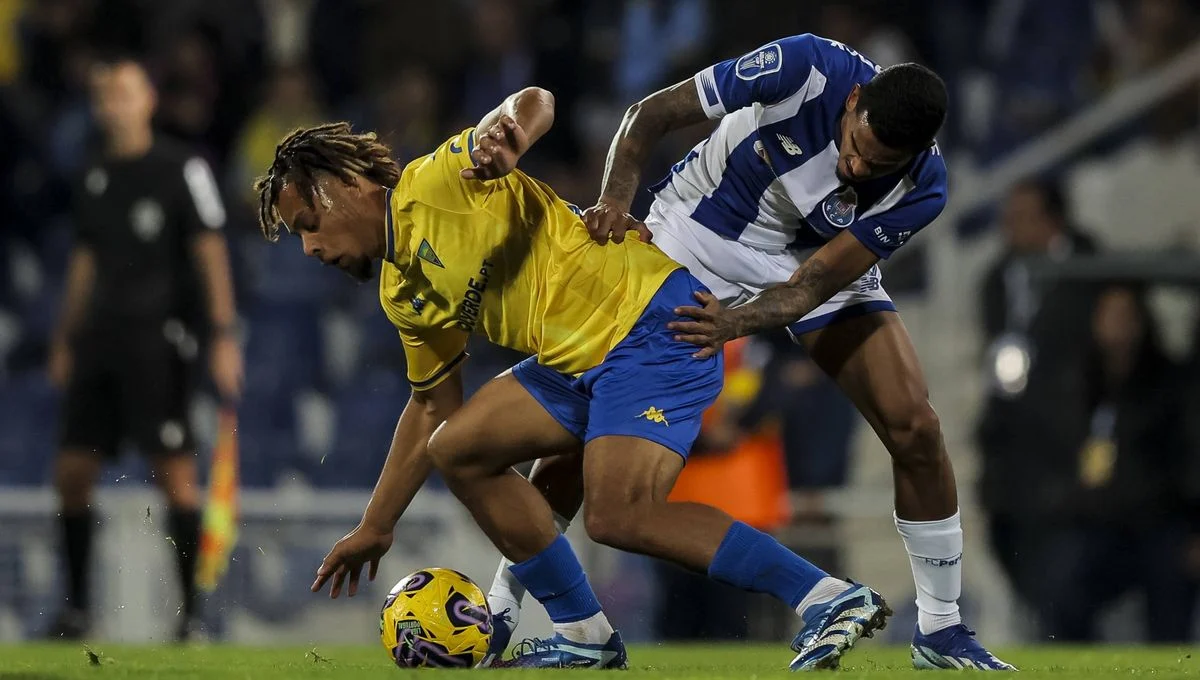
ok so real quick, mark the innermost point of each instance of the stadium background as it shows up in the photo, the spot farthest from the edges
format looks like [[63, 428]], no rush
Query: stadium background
[[1100, 96]]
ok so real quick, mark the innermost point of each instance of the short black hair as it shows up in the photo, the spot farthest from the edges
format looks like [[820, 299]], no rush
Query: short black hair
[[905, 106]]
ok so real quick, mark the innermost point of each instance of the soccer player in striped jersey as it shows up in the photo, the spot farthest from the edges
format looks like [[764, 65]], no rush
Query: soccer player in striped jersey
[[822, 165]]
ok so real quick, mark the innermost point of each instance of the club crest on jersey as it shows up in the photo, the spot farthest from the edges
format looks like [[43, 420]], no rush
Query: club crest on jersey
[[761, 62], [425, 252], [839, 208]]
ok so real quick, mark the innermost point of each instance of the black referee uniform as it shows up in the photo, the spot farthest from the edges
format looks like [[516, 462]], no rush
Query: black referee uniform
[[139, 217], [130, 376]]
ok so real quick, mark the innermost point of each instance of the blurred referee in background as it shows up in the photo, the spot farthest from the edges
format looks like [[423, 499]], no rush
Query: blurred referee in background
[[148, 274]]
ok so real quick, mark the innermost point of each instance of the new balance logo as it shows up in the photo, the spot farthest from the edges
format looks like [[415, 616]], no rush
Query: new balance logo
[[655, 415], [789, 145]]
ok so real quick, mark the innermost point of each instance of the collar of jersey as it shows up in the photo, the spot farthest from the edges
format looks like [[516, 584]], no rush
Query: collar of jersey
[[390, 230]]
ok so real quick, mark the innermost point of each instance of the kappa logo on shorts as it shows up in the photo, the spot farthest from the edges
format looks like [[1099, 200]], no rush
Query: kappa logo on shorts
[[655, 415]]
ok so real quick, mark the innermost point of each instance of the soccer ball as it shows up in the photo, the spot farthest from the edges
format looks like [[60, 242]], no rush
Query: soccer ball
[[436, 618]]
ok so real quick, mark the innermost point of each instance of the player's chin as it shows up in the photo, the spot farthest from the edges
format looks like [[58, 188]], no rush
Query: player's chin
[[360, 269]]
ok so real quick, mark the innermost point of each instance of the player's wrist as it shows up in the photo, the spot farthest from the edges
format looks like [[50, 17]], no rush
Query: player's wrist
[[377, 525]]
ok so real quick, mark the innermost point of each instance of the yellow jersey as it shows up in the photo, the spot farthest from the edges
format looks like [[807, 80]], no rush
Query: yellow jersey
[[508, 259]]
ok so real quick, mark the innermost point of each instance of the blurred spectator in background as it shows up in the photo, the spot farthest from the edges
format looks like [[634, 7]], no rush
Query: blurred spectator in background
[[1127, 479], [1035, 221], [795, 394], [289, 103], [148, 218], [1031, 330]]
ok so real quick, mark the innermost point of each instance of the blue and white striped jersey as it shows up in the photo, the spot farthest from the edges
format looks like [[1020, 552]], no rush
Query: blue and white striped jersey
[[766, 176]]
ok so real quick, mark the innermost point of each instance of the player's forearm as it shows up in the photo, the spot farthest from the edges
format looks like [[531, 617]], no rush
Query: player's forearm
[[644, 124], [213, 258], [81, 272], [832, 268], [532, 109], [777, 307], [408, 464]]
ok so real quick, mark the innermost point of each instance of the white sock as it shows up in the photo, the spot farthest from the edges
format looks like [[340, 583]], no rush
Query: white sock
[[825, 590], [507, 592], [594, 630], [935, 551]]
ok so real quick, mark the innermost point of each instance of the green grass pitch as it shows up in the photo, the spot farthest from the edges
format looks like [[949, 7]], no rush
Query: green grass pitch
[[674, 662]]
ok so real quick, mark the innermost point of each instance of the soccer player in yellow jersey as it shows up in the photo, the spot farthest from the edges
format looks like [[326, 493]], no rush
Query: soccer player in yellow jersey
[[469, 245]]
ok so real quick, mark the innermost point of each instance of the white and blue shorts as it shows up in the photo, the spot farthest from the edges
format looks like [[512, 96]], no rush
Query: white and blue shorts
[[736, 272]]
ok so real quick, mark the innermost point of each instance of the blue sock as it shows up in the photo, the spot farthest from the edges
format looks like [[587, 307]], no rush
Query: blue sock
[[754, 561], [556, 579]]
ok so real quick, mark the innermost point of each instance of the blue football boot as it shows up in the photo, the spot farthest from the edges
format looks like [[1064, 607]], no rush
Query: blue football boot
[[832, 628], [954, 648], [559, 652]]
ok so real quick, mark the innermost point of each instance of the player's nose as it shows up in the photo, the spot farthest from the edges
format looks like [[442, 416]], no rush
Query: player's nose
[[856, 168], [310, 248]]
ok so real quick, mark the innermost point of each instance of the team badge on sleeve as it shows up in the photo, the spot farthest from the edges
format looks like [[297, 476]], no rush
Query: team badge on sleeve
[[761, 62]]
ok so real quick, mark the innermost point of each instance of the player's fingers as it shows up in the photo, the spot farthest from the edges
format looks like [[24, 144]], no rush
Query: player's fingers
[[374, 569], [468, 173], [707, 352], [693, 312], [355, 573], [339, 577], [693, 327], [693, 339], [643, 232], [705, 298]]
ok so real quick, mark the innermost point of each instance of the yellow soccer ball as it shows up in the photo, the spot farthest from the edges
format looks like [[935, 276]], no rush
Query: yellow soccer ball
[[436, 618]]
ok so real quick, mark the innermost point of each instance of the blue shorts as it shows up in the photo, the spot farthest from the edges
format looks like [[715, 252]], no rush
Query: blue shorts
[[649, 386]]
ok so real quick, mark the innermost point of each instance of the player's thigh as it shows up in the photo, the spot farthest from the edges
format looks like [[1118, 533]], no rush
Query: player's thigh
[[621, 472], [504, 423], [872, 358], [155, 390]]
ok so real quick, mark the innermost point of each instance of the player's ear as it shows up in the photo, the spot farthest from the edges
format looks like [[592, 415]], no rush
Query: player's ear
[[852, 100]]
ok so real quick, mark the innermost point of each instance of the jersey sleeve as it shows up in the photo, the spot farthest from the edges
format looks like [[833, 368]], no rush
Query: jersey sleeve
[[202, 207], [885, 232], [767, 75], [432, 354], [436, 181]]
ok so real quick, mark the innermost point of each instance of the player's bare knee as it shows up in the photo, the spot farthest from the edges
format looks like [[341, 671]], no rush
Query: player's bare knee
[[452, 455], [613, 523], [914, 435]]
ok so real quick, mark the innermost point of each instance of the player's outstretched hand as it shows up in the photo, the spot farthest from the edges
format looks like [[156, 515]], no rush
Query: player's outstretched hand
[[357, 548], [607, 223], [714, 325], [497, 150]]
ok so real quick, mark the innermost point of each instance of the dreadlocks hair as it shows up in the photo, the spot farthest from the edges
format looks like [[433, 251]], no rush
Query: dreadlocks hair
[[330, 148]]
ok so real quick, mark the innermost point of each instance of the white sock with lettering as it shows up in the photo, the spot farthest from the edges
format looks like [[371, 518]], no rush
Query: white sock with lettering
[[935, 552], [507, 592]]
